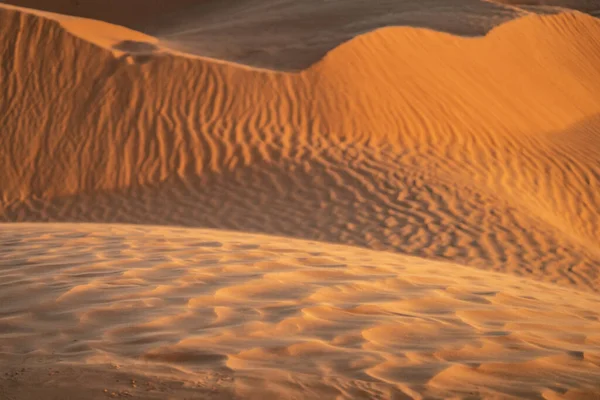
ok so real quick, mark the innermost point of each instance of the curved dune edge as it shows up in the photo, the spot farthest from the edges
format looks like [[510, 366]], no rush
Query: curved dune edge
[[581, 5], [207, 28], [233, 314], [102, 34], [402, 139], [107, 35]]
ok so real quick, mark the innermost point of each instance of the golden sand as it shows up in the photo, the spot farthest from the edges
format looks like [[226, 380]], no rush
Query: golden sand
[[467, 166]]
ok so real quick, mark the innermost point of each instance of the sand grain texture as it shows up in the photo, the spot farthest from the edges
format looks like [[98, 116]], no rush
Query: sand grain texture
[[199, 312], [467, 166], [401, 139]]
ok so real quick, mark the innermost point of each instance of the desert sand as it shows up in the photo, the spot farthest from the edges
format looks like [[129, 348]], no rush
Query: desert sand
[[329, 207]]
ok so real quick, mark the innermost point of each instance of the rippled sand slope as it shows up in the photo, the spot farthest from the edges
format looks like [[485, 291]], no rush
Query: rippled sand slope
[[466, 167], [255, 316], [482, 151]]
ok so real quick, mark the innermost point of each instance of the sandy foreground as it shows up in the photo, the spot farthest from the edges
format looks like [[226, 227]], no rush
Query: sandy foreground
[[198, 205], [155, 312]]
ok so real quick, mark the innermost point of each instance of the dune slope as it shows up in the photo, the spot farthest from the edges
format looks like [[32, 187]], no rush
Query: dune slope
[[483, 151], [155, 313], [291, 35], [478, 155]]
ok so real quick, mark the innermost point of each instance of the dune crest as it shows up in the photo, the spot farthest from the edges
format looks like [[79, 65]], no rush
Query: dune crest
[[288, 35], [401, 139], [457, 158]]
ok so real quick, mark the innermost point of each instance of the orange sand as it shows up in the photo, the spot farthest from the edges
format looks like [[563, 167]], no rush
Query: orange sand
[[193, 312], [473, 154]]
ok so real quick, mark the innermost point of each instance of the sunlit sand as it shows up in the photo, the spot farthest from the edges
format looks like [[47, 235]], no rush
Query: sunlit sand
[[407, 211]]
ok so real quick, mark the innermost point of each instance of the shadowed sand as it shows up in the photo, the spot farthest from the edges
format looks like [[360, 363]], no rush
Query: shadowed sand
[[291, 35], [472, 155], [401, 139]]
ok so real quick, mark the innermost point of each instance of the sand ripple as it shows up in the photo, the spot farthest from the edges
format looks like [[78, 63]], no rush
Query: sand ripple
[[485, 155], [448, 152], [293, 318]]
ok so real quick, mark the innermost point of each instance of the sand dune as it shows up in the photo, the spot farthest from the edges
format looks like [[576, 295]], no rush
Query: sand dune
[[589, 6], [401, 139], [479, 155], [291, 35], [250, 316]]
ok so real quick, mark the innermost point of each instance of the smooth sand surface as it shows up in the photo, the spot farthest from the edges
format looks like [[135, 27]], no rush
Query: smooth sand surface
[[469, 166]]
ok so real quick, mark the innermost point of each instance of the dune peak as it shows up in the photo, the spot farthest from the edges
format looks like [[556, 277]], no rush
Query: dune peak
[[264, 212]]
